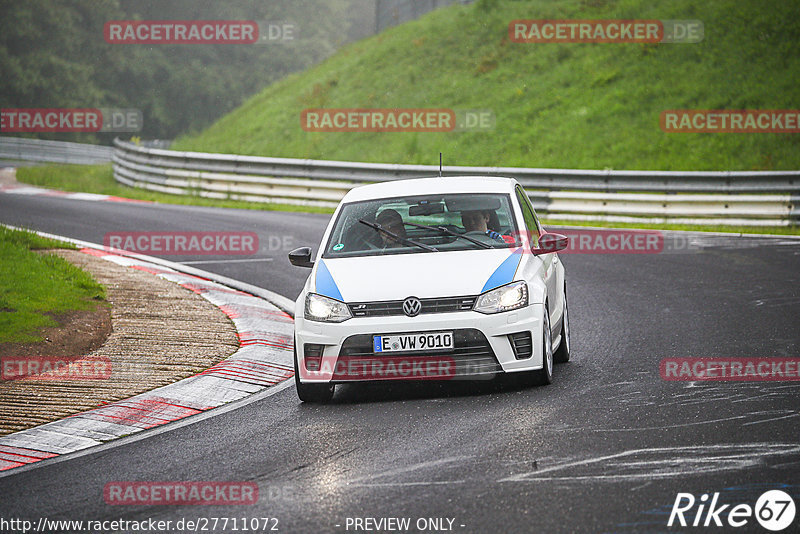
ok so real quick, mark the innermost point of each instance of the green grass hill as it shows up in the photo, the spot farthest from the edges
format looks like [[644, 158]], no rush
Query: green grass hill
[[560, 105]]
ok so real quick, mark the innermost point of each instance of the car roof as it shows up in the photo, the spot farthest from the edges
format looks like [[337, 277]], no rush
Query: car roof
[[433, 186]]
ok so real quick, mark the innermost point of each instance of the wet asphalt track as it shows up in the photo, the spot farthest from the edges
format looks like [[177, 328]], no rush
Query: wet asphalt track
[[605, 448]]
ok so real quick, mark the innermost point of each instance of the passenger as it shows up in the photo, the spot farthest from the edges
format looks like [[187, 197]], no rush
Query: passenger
[[392, 221], [477, 221]]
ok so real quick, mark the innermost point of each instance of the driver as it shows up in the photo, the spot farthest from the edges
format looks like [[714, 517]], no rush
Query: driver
[[390, 220], [477, 221]]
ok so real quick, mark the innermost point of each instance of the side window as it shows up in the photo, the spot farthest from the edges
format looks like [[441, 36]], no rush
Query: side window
[[530, 217]]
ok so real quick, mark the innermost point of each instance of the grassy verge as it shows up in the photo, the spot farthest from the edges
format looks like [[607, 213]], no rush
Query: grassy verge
[[34, 286], [99, 179]]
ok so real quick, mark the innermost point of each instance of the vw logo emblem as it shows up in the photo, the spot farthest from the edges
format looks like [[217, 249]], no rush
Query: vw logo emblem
[[412, 306]]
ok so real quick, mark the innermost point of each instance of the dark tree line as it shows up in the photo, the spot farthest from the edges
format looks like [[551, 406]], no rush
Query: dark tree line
[[53, 55]]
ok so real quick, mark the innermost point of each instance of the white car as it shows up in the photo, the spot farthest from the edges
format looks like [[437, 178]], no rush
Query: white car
[[430, 279]]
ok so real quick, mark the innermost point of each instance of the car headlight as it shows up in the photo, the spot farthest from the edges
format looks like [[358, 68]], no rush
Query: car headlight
[[327, 310], [504, 298]]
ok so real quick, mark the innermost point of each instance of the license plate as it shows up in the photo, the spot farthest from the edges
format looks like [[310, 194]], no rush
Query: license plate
[[413, 342]]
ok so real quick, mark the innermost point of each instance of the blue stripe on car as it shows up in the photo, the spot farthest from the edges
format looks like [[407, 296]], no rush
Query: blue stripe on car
[[325, 284], [504, 273]]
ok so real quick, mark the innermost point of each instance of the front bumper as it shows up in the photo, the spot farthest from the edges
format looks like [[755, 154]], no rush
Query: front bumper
[[483, 346]]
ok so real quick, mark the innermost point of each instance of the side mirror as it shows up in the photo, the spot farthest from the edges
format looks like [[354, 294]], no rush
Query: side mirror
[[301, 257], [551, 243]]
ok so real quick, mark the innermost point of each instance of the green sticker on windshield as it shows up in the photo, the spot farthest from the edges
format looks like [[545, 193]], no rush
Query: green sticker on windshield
[[338, 246]]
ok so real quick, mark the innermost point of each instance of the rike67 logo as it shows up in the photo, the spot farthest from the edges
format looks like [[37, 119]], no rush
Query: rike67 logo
[[774, 510]]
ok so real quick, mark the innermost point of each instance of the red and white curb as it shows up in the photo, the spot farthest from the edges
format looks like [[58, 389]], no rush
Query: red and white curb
[[264, 359], [30, 190]]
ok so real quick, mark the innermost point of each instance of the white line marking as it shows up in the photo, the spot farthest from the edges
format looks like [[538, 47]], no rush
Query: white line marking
[[401, 484], [776, 466], [668, 426], [773, 419], [678, 461], [414, 467]]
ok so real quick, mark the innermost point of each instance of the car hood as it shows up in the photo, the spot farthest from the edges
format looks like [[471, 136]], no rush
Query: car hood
[[423, 275]]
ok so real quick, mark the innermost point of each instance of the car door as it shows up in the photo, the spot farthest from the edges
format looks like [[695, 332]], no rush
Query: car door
[[550, 261]]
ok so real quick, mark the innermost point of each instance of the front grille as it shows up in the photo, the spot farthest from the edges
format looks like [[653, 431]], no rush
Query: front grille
[[472, 356], [395, 307], [521, 344]]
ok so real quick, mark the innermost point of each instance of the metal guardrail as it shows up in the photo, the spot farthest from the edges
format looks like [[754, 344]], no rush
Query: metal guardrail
[[23, 149], [740, 198]]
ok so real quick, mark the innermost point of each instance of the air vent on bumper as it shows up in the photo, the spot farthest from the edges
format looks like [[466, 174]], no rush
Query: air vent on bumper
[[521, 344]]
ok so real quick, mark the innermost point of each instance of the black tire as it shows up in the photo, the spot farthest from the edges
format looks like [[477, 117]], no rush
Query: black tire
[[563, 352], [544, 376], [312, 392]]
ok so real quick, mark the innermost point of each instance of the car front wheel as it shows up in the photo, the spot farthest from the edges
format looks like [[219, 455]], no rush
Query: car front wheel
[[312, 392], [544, 376], [562, 354]]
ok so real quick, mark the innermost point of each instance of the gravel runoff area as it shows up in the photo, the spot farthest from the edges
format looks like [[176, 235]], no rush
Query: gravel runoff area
[[161, 333]]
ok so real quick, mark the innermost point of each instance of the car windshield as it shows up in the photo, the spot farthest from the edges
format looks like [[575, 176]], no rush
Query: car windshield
[[423, 224]]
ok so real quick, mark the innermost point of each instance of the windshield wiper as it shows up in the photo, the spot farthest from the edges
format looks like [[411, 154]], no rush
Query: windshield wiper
[[403, 240], [446, 230]]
